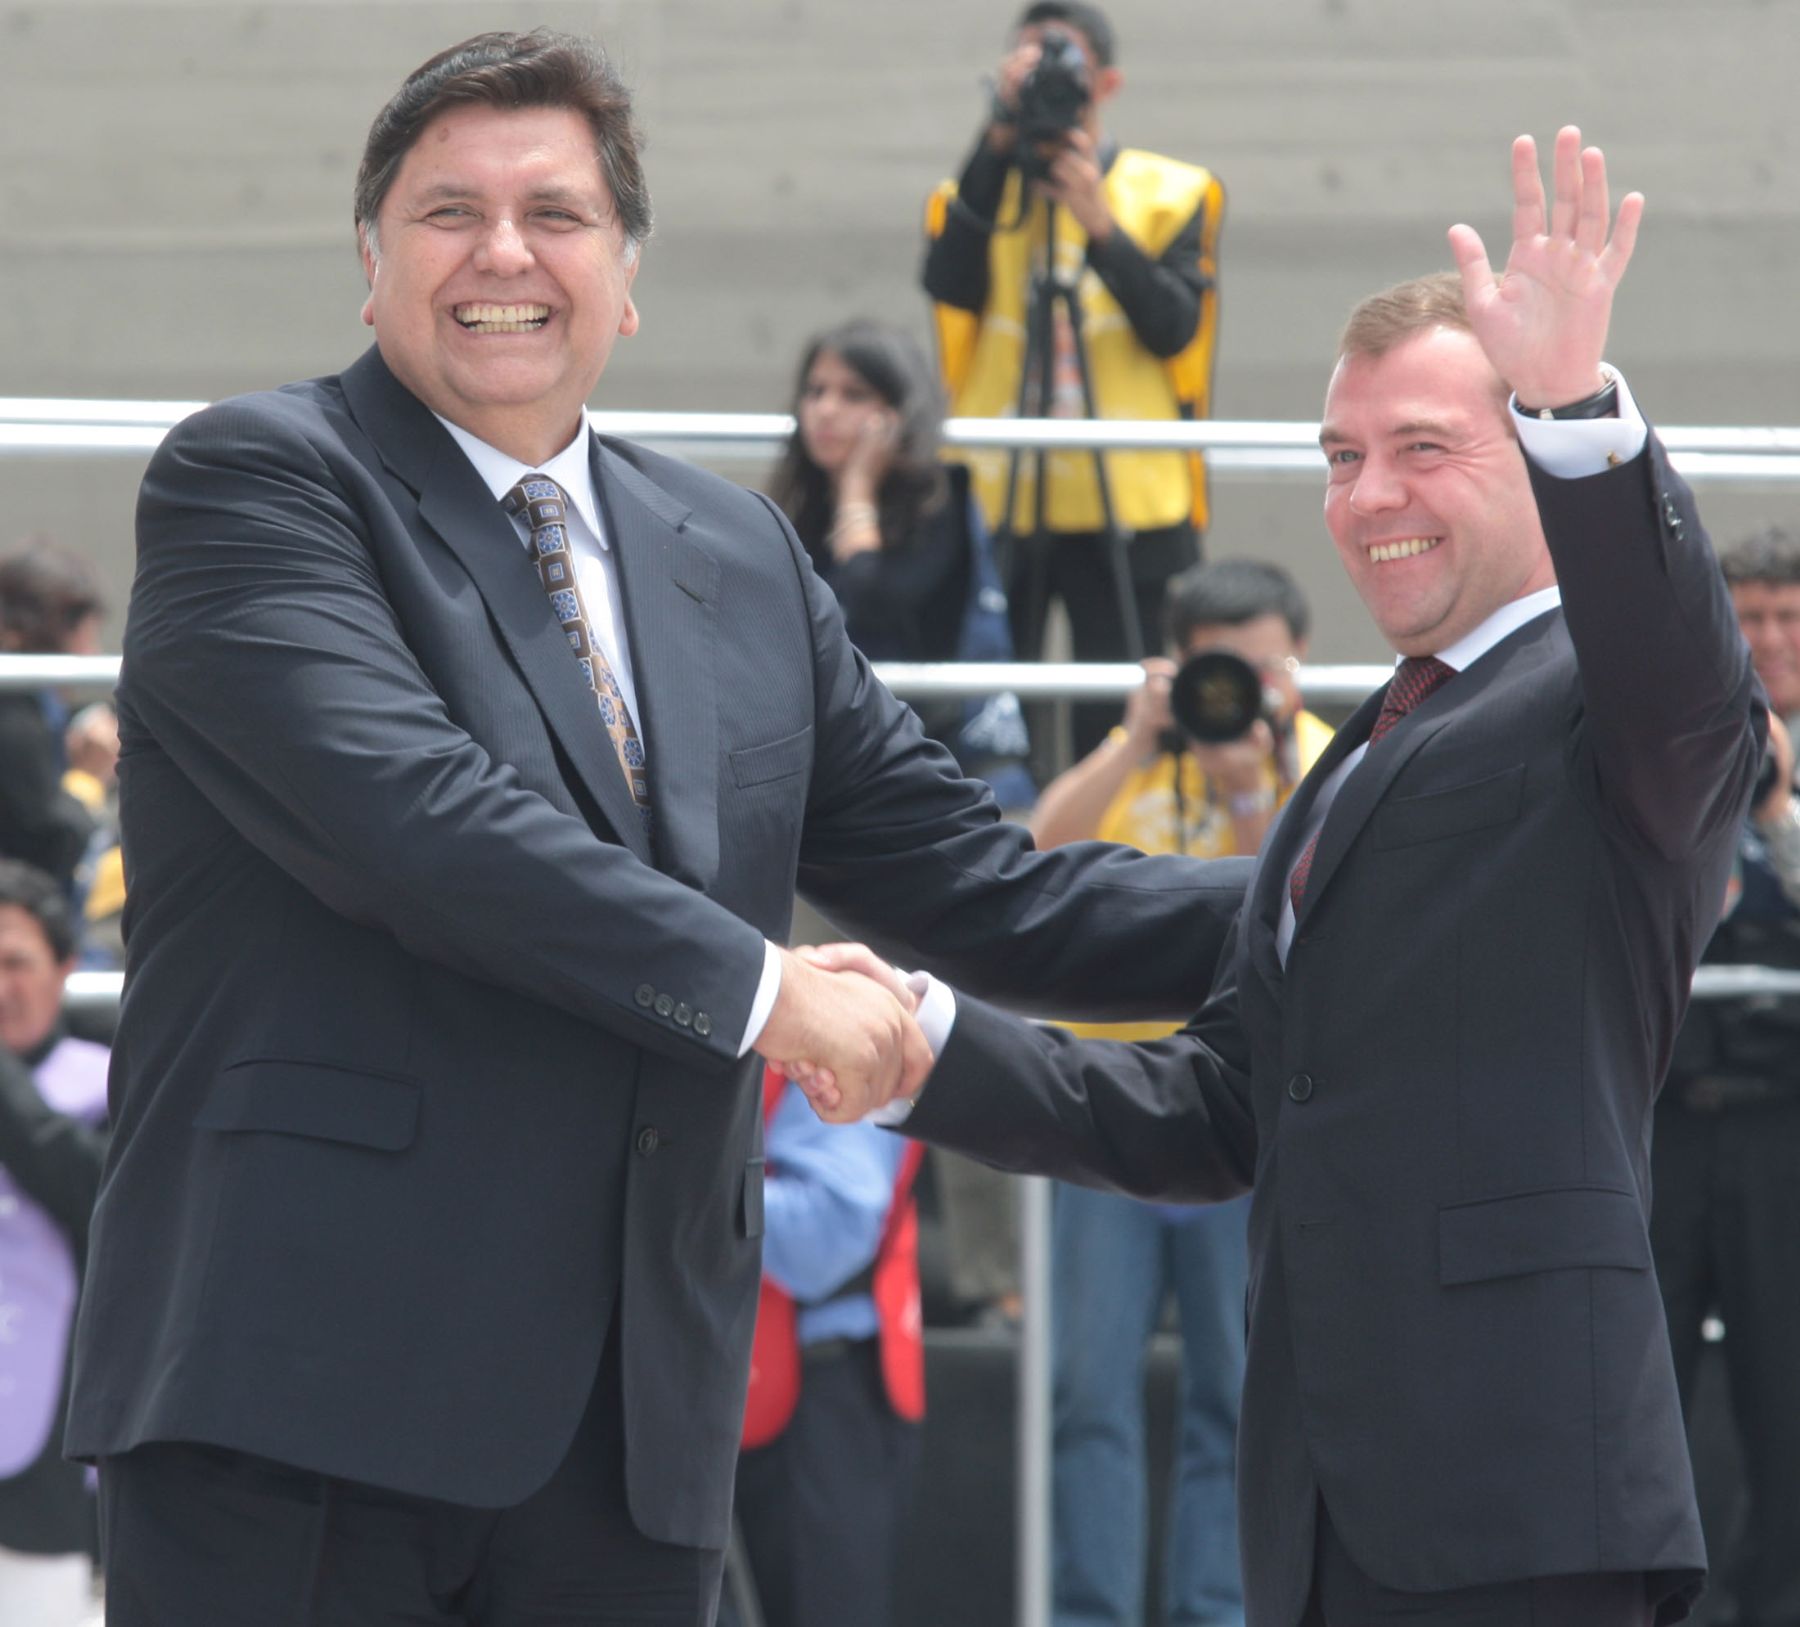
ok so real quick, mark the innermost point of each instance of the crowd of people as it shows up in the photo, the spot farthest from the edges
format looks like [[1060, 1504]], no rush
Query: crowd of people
[[1415, 1350]]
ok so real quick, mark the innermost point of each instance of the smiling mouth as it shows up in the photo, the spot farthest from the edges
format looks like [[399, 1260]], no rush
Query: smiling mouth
[[502, 318], [1406, 548]]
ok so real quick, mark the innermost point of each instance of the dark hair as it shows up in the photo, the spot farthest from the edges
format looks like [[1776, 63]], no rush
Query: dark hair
[[1230, 592], [512, 71], [894, 367], [1077, 14], [1771, 555], [27, 887], [46, 592]]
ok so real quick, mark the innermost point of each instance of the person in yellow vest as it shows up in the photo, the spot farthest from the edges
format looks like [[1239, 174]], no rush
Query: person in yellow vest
[[1113, 1258], [1136, 236]]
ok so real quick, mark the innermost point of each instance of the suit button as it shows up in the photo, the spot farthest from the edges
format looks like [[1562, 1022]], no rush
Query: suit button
[[702, 1024], [664, 1005], [684, 1016], [1300, 1087], [648, 1140], [1672, 515], [645, 994]]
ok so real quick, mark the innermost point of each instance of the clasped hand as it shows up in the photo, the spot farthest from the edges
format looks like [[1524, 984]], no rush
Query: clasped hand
[[843, 1030]]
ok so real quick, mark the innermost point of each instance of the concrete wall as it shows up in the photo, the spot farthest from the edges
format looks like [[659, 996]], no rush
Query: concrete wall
[[175, 179]]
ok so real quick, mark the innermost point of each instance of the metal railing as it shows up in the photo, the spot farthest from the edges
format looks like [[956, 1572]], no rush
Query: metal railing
[[1251, 449]]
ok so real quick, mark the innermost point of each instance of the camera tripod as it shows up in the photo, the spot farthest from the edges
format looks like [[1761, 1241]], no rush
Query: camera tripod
[[1036, 381]]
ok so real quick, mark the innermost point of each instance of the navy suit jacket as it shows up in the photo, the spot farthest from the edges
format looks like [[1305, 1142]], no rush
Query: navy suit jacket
[[425, 1067], [1443, 1098]]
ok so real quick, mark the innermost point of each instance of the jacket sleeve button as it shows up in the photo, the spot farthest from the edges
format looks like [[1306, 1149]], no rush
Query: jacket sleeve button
[[645, 994], [702, 1024], [684, 1015], [664, 1005]]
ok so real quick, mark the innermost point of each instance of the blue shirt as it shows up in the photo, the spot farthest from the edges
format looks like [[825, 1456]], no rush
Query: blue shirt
[[825, 1205]]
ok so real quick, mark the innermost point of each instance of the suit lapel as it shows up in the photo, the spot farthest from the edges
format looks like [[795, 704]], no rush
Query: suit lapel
[[1282, 845], [460, 509], [670, 588]]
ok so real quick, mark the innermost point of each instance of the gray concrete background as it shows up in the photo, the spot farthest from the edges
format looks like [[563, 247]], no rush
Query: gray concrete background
[[175, 179]]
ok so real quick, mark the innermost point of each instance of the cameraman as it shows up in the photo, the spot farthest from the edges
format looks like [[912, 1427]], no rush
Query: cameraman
[[1725, 1157], [1135, 237], [1114, 1258]]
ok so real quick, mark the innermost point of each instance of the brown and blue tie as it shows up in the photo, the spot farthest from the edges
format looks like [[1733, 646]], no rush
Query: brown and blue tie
[[539, 502], [1415, 678]]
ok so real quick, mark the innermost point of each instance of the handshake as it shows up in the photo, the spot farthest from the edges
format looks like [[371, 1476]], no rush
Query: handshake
[[843, 1030]]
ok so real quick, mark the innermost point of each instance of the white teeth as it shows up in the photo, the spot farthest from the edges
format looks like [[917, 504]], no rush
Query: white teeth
[[502, 318], [1384, 551]]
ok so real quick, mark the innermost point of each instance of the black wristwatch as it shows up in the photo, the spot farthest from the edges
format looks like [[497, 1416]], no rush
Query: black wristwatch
[[1603, 403]]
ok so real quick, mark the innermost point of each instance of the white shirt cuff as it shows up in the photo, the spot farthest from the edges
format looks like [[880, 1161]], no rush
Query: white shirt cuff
[[1573, 448], [768, 986], [936, 1016]]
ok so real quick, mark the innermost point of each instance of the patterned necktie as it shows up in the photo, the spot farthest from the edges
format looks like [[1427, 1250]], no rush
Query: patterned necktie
[[539, 501], [1416, 677]]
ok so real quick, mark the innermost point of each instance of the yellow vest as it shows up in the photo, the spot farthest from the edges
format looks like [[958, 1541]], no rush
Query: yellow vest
[[981, 355], [1142, 815]]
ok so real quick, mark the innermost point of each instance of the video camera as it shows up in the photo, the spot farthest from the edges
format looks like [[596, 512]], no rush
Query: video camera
[[1053, 95]]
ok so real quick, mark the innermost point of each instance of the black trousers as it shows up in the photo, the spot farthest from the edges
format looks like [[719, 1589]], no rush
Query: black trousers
[[194, 1535], [1725, 1231], [820, 1507], [1075, 566], [1343, 1595]]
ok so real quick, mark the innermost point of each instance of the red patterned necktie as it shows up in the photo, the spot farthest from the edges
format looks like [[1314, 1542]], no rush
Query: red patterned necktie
[[1416, 677], [539, 502]]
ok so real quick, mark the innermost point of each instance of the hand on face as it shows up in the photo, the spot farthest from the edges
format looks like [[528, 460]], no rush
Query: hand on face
[[1543, 321], [843, 1030], [873, 442]]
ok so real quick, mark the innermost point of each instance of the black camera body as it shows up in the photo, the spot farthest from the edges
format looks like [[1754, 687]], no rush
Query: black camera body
[[1218, 697], [1055, 94]]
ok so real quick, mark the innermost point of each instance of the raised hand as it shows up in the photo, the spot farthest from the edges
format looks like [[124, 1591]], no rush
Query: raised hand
[[848, 1040], [1543, 320]]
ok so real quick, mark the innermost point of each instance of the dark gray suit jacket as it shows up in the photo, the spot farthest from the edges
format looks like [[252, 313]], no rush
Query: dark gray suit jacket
[[1443, 1099], [425, 1064]]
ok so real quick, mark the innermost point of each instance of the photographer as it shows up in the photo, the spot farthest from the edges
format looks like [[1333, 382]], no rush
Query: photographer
[[1725, 1158], [1159, 788], [1134, 236]]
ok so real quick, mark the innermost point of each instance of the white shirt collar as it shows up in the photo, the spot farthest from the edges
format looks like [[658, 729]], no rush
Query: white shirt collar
[[1507, 619], [570, 469]]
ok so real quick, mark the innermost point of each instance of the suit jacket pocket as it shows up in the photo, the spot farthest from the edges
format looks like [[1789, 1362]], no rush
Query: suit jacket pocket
[[1561, 1229], [751, 1210], [1490, 801], [314, 1099], [757, 765]]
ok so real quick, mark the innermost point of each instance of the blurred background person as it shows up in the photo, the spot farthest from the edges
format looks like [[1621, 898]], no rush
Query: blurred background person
[[52, 1101], [895, 534], [837, 1371], [1136, 241], [1115, 1260], [50, 604], [92, 779], [1725, 1158]]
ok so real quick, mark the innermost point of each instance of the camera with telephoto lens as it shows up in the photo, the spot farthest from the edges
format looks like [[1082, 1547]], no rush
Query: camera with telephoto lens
[[1055, 93], [1218, 697]]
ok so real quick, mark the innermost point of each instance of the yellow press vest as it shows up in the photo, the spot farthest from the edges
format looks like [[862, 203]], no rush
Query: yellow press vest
[[981, 354]]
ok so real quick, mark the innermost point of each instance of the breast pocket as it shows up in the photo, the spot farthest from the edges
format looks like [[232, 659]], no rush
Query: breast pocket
[[1495, 800]]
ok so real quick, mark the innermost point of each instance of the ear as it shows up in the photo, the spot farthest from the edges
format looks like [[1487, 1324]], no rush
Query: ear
[[1107, 84], [628, 318], [370, 265]]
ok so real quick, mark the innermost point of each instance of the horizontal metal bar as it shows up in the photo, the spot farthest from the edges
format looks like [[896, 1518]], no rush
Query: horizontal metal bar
[[1260, 447], [1034, 680], [98, 992]]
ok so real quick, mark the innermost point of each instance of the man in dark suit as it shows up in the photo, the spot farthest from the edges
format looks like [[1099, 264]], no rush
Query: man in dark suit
[[468, 761], [1455, 983]]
